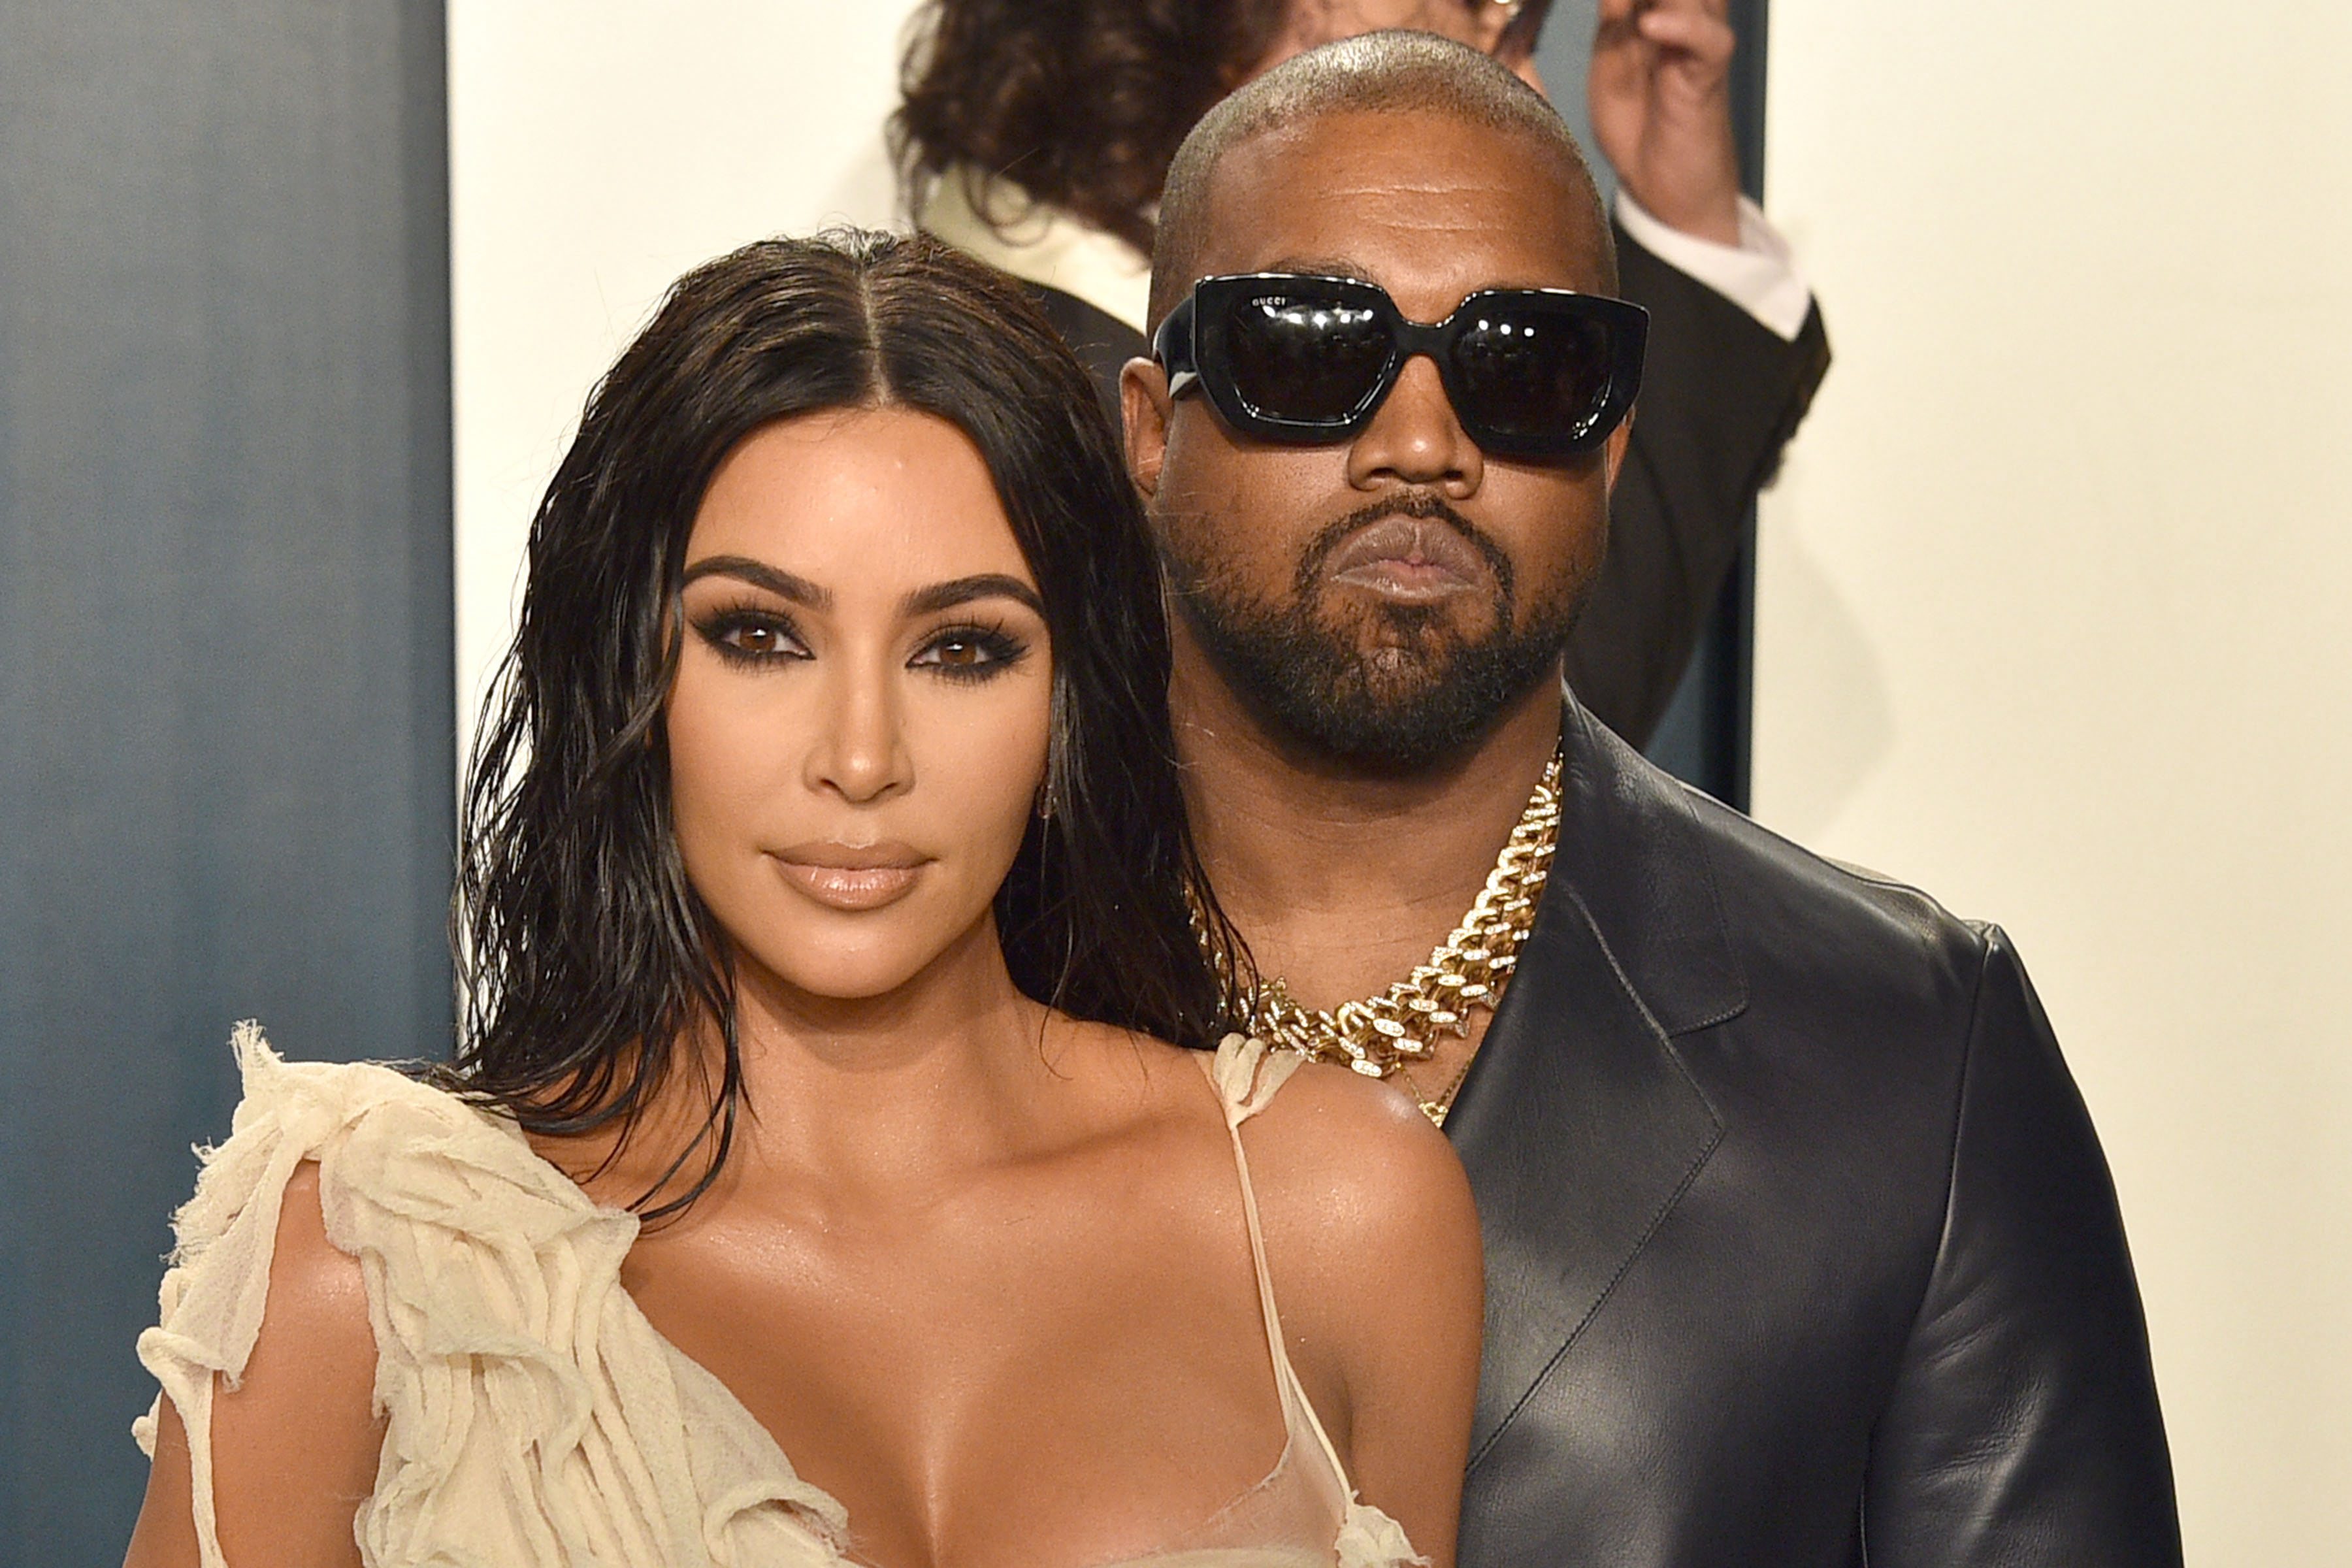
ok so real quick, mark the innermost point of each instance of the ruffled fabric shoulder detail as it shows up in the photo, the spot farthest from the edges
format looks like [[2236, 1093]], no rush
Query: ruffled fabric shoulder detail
[[1371, 1539], [533, 1418], [1248, 1072]]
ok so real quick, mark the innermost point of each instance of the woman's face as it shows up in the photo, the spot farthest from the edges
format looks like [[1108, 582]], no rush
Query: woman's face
[[858, 729]]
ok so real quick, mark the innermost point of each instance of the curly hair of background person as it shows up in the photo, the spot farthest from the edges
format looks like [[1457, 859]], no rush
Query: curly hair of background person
[[1081, 102]]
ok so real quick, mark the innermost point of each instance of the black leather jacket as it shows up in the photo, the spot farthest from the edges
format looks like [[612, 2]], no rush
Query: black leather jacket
[[1800, 1250]]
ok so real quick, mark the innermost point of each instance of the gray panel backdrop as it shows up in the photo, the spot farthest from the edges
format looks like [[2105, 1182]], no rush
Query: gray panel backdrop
[[226, 720]]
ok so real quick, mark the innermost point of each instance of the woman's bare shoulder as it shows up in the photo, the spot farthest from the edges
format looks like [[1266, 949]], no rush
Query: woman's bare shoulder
[[295, 1442], [317, 1318], [1360, 1174], [1373, 1243]]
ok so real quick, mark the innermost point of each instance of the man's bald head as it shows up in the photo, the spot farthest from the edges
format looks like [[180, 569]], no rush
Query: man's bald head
[[1377, 73]]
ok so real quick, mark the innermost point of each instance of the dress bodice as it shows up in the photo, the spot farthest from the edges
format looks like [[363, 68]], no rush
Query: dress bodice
[[534, 1418]]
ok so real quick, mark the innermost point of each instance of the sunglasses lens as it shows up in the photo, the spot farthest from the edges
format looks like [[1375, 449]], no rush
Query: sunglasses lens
[[1305, 359], [1533, 375]]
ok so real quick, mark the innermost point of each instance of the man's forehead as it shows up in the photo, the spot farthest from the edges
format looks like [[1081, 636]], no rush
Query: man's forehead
[[1417, 201]]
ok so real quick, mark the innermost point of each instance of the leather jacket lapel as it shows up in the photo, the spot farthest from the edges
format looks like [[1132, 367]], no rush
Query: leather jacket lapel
[[1580, 1123]]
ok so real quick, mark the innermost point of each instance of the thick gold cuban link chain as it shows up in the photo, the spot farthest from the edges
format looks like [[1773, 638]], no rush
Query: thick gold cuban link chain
[[1379, 1035]]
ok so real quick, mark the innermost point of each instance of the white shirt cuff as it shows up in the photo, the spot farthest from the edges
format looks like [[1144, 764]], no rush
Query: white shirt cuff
[[1759, 274]]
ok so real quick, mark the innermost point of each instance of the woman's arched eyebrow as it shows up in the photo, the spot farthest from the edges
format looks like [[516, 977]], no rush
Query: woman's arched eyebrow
[[921, 602], [784, 585], [964, 590]]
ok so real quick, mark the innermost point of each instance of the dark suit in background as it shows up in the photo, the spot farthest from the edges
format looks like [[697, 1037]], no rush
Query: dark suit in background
[[1720, 398], [1800, 1250]]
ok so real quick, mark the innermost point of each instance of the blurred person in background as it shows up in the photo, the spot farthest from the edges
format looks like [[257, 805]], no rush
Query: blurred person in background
[[1037, 134]]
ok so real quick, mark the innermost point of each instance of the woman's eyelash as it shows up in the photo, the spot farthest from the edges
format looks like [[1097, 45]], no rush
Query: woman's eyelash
[[754, 634], [969, 652], [745, 634]]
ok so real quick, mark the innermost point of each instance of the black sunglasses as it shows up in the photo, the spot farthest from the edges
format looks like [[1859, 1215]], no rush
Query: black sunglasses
[[1531, 372]]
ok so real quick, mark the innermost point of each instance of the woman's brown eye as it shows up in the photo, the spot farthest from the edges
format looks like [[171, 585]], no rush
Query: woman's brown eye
[[976, 655], [750, 637]]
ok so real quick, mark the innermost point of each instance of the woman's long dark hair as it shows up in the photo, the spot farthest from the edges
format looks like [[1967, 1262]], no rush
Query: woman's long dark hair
[[585, 955]]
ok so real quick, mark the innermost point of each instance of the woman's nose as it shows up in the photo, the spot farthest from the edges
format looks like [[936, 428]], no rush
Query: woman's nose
[[861, 753]]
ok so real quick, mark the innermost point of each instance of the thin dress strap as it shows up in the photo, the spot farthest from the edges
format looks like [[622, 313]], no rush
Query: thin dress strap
[[1246, 1073]]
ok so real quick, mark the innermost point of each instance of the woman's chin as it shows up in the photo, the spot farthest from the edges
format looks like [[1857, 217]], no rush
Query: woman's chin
[[828, 970]]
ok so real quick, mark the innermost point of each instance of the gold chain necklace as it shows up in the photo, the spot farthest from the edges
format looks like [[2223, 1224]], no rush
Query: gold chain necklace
[[1378, 1035]]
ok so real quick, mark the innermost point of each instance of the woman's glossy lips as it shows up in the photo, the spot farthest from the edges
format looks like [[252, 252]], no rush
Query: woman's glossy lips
[[852, 876]]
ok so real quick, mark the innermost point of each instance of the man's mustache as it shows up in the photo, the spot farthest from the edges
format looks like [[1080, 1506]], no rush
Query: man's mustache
[[1424, 506]]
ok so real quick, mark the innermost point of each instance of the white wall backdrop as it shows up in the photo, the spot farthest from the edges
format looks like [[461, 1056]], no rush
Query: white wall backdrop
[[598, 148], [2056, 619]]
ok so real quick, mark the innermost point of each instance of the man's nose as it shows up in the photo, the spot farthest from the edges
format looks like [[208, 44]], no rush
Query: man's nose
[[861, 751], [1415, 440]]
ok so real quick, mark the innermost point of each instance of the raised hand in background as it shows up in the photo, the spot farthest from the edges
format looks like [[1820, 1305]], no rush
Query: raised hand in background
[[1660, 103]]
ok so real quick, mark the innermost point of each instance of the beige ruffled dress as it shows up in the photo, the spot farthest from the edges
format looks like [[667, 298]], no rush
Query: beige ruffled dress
[[534, 1418]]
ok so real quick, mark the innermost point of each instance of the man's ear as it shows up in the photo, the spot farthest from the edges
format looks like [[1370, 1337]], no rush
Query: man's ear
[[1143, 406]]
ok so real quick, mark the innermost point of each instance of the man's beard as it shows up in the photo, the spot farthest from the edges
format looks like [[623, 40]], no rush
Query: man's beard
[[1422, 692]]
